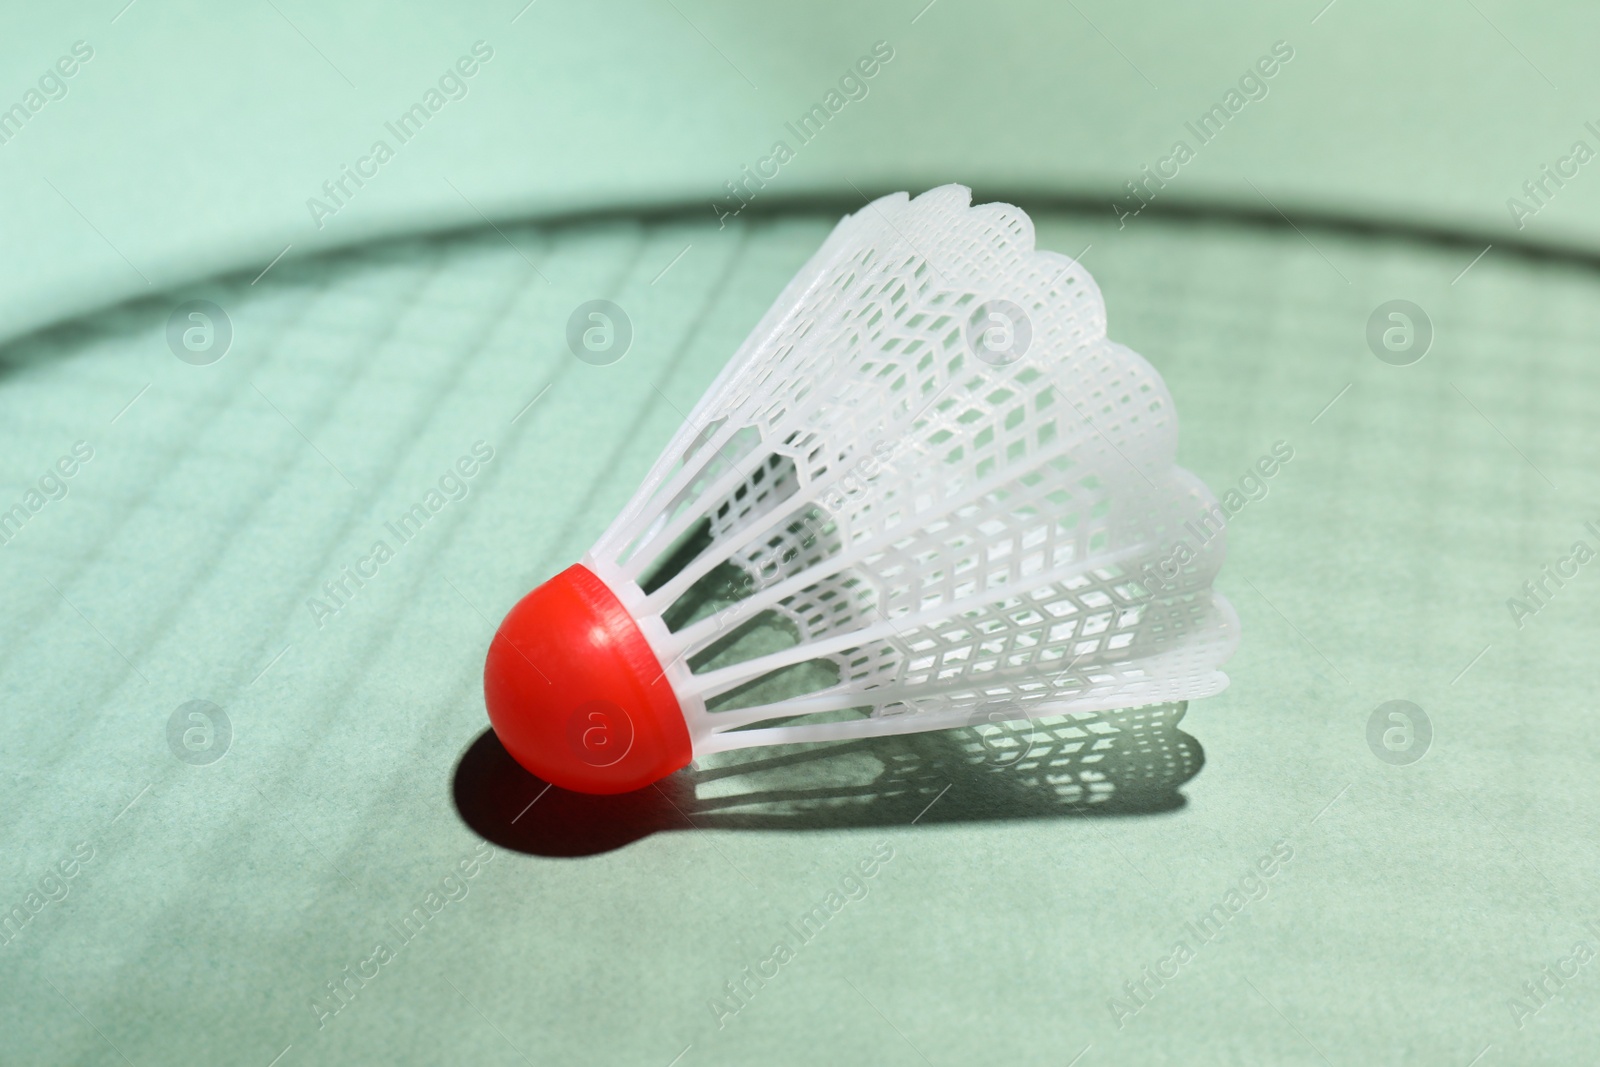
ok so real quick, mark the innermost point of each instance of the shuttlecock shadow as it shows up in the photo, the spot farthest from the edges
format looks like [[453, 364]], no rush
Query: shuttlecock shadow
[[1106, 764]]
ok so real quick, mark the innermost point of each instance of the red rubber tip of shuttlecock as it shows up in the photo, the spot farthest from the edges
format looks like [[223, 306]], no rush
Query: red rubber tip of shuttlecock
[[576, 694]]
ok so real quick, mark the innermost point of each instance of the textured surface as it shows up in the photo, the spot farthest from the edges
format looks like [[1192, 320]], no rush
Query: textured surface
[[220, 898], [196, 138]]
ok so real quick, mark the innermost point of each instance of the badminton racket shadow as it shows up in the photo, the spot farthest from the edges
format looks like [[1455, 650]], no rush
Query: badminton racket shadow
[[1117, 763]]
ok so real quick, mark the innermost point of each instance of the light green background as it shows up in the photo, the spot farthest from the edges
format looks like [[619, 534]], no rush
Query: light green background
[[221, 898]]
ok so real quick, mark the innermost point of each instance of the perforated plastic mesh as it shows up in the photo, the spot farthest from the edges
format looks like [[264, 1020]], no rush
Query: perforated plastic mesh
[[929, 460]]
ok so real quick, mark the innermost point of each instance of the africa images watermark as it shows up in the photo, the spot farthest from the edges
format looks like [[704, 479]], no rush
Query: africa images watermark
[[1543, 187], [337, 192], [51, 888], [454, 485], [340, 991], [1198, 533], [1252, 86], [1139, 992], [50, 487], [1550, 981], [52, 85], [1553, 577], [798, 933], [852, 86], [1399, 732]]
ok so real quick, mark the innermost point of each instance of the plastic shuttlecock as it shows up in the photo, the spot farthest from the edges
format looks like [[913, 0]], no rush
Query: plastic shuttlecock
[[927, 491]]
